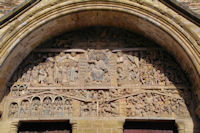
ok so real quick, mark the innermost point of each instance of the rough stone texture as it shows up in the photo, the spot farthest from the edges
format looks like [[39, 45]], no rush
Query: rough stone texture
[[8, 5], [175, 33], [25, 87], [77, 62], [9, 126], [194, 5]]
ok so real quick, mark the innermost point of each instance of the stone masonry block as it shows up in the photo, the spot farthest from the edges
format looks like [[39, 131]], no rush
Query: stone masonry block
[[97, 124], [90, 130], [117, 131], [104, 130], [84, 124], [79, 130], [112, 124]]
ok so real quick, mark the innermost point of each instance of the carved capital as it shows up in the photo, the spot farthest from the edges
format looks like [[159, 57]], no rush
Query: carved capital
[[14, 126], [74, 124]]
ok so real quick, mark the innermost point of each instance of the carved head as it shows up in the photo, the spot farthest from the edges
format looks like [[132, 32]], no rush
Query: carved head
[[148, 95], [73, 54], [98, 57], [119, 53], [119, 70], [14, 106], [62, 54]]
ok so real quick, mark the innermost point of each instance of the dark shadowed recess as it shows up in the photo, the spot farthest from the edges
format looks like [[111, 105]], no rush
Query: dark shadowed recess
[[45, 127], [150, 127]]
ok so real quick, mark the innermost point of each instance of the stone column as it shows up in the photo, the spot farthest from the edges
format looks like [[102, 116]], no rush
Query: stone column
[[74, 126], [185, 126], [180, 126], [189, 126]]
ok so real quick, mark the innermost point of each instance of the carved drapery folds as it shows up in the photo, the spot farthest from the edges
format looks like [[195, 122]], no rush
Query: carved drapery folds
[[131, 78], [150, 86], [99, 68]]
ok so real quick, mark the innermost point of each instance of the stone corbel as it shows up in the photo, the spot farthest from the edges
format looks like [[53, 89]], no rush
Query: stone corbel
[[180, 126], [9, 126], [74, 124], [185, 125], [14, 126]]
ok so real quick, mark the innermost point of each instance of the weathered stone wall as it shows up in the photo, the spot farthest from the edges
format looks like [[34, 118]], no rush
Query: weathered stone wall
[[184, 32], [7, 5], [97, 126], [194, 5], [94, 114]]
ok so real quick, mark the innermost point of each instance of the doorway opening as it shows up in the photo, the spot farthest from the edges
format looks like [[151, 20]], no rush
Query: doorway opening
[[150, 127], [45, 127]]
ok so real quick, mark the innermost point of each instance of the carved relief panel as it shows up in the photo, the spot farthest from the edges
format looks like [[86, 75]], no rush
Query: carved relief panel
[[63, 83]]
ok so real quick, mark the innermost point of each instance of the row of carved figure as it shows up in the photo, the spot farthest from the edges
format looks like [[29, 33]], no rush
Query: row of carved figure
[[38, 108], [60, 108], [102, 68], [151, 104], [86, 94], [139, 105]]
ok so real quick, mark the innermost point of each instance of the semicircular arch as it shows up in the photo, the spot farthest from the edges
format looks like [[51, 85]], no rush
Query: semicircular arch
[[39, 25]]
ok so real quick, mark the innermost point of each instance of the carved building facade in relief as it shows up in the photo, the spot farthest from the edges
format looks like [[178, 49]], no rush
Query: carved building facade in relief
[[74, 75]]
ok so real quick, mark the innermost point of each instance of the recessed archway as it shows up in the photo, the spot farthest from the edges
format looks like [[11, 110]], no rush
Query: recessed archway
[[58, 19], [164, 33], [104, 72]]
